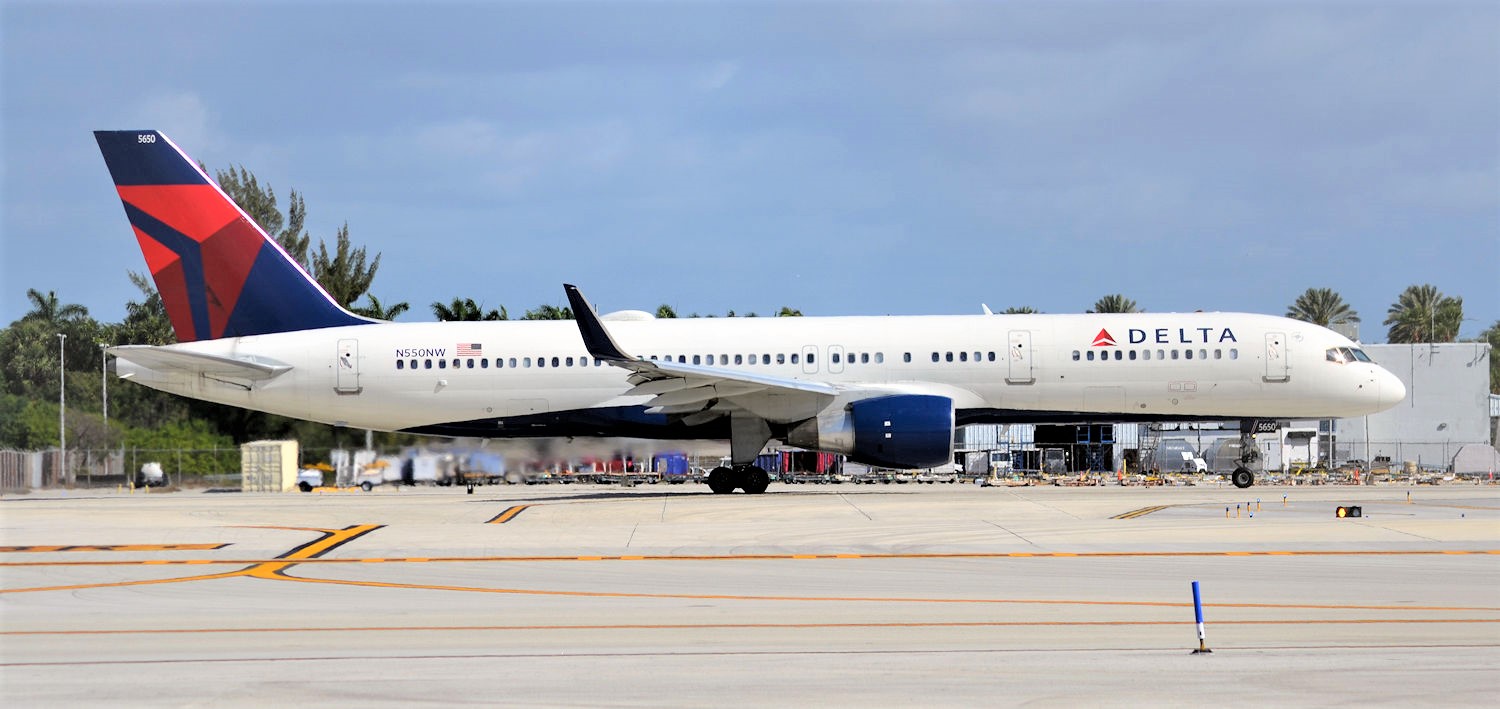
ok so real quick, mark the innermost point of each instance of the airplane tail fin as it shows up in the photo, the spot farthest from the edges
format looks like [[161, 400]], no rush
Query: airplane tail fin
[[218, 273]]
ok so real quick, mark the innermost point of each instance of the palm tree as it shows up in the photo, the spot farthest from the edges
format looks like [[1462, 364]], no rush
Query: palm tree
[[1023, 310], [666, 311], [377, 310], [465, 309], [1322, 306], [48, 309], [549, 312], [1423, 314], [1114, 303], [788, 312]]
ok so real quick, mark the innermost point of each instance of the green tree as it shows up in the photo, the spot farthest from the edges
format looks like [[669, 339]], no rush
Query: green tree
[[48, 309], [1114, 303], [260, 203], [1423, 314], [465, 309], [548, 312], [788, 312], [1322, 306], [377, 310], [1023, 310], [665, 311], [343, 274]]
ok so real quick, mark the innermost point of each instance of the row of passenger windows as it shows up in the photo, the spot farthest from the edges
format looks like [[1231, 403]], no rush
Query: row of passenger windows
[[500, 363], [1133, 355], [764, 358]]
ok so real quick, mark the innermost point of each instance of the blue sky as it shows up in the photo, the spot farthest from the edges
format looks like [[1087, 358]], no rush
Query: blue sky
[[841, 158]]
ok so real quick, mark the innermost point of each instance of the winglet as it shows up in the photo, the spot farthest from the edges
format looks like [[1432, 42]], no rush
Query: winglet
[[595, 337]]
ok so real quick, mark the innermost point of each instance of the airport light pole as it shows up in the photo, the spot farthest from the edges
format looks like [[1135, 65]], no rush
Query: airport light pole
[[104, 393], [62, 403]]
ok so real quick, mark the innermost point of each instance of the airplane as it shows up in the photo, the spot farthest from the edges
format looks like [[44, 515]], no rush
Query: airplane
[[256, 331]]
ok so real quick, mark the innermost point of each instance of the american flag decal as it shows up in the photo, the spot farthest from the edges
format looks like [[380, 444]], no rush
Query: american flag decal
[[470, 349]]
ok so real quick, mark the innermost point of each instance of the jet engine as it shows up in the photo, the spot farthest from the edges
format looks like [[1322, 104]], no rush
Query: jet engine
[[898, 431]]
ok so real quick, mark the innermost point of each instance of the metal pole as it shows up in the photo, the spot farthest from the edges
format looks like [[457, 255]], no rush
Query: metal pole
[[104, 392], [62, 404]]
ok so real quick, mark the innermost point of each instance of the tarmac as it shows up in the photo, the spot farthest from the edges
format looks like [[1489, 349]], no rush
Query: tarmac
[[901, 595]]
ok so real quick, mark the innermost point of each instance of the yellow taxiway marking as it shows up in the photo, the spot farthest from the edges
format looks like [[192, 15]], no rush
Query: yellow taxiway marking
[[1142, 512], [731, 626], [508, 515], [114, 547]]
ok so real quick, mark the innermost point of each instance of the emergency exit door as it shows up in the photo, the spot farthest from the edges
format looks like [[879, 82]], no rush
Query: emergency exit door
[[1276, 359], [1019, 355]]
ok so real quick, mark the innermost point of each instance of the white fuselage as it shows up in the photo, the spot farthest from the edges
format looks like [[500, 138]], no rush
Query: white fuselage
[[402, 376]]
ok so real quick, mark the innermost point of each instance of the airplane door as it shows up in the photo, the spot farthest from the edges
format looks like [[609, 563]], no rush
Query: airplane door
[[1276, 357], [809, 359], [346, 368], [1020, 358]]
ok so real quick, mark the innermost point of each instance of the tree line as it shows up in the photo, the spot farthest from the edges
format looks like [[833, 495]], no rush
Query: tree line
[[31, 351]]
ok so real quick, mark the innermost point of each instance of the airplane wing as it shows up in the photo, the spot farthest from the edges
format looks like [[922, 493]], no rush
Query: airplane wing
[[169, 359], [697, 392]]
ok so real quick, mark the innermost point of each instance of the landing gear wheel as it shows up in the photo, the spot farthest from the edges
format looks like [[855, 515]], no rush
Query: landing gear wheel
[[722, 480], [752, 479], [1243, 478]]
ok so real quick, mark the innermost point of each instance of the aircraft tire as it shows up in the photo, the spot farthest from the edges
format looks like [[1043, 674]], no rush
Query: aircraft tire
[[753, 480], [722, 480], [1243, 478]]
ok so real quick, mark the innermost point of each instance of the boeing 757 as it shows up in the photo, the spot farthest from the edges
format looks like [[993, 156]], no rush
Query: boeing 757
[[254, 330]]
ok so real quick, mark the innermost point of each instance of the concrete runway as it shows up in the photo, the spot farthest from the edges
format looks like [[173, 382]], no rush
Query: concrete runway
[[830, 595]]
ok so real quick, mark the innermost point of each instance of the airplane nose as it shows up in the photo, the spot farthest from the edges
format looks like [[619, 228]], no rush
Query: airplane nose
[[1392, 391]]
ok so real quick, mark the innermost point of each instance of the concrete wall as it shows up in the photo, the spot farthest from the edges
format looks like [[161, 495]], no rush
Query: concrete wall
[[1447, 405]]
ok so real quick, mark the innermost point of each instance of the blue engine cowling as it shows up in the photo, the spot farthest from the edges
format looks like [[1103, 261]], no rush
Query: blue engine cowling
[[898, 431]]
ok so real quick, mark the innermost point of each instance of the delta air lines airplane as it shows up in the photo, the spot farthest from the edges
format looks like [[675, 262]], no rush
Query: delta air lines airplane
[[255, 330]]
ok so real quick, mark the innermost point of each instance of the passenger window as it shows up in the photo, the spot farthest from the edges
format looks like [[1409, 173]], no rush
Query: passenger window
[[812, 358], [781, 358], [1218, 354], [1174, 354], [765, 358], [1145, 354], [526, 363], [1202, 354], [864, 358], [963, 356], [412, 365], [512, 362], [469, 363], [1119, 355], [1162, 354], [794, 358], [426, 364], [906, 357], [1234, 353], [948, 356], [935, 357], [442, 364], [835, 357], [1188, 354], [1091, 355], [400, 364], [484, 364], [976, 357], [739, 359], [879, 358], [992, 356], [1132, 355], [697, 359], [1076, 355]]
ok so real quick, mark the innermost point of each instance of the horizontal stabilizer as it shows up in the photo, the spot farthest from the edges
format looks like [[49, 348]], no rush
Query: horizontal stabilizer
[[171, 359]]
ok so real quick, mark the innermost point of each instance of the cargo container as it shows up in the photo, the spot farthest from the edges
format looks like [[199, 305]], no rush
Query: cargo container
[[268, 466]]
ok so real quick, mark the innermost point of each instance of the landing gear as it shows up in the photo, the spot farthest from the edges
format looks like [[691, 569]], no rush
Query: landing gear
[[1242, 476], [723, 480]]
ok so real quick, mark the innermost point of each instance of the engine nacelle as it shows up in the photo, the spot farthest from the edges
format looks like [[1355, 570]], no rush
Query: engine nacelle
[[899, 431]]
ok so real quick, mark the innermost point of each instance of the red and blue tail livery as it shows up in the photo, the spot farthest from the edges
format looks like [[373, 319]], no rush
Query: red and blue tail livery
[[218, 273]]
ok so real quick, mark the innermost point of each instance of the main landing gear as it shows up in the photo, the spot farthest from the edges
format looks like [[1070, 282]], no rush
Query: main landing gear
[[753, 480], [1242, 476]]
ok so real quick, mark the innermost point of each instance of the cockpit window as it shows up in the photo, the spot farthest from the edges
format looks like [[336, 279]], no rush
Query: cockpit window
[[1334, 354], [1343, 355], [1361, 356]]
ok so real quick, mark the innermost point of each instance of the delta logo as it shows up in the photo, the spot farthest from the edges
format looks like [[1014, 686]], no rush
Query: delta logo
[[1104, 339]]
